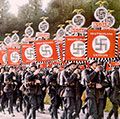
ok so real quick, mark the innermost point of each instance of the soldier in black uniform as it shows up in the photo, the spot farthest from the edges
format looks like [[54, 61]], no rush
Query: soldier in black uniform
[[2, 70], [29, 88], [95, 91], [53, 92], [115, 95], [79, 89], [9, 89], [42, 90], [68, 77], [19, 76]]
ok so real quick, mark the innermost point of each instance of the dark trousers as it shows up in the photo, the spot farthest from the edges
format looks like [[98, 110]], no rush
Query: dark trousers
[[26, 106], [33, 107], [78, 105], [95, 109], [40, 101], [92, 108], [54, 106], [69, 106], [9, 96], [19, 101]]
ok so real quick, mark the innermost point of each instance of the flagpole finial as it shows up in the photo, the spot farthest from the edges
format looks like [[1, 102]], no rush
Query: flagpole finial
[[111, 11], [54, 34], [44, 18], [7, 34], [101, 3], [15, 31], [28, 24], [61, 25], [68, 21], [78, 11]]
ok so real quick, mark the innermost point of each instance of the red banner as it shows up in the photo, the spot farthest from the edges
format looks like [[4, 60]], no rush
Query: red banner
[[3, 57], [13, 56], [28, 54], [46, 50], [75, 48], [101, 44], [115, 63]]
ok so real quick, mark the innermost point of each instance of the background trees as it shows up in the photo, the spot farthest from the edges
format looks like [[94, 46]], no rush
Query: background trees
[[58, 12]]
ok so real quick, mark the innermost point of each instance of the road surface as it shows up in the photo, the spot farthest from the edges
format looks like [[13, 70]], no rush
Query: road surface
[[39, 115]]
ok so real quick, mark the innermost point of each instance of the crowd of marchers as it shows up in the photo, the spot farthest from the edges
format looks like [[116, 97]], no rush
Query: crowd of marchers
[[24, 89]]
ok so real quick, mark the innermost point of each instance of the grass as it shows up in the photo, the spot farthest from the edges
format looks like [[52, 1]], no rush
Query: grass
[[107, 109]]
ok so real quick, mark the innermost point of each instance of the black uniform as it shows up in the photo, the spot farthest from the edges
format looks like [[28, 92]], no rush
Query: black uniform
[[9, 90], [95, 97], [29, 89], [115, 95], [68, 83], [53, 93]]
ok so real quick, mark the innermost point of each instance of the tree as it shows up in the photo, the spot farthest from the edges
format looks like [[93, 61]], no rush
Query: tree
[[58, 12]]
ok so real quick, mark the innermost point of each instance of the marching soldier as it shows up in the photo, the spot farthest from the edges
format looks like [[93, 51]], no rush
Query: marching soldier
[[67, 81], [2, 70], [79, 89], [115, 96], [9, 89], [95, 91], [42, 90], [53, 92], [18, 91], [29, 89]]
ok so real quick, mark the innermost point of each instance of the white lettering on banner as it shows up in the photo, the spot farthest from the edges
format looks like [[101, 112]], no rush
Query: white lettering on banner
[[46, 50], [101, 44], [77, 48], [14, 57], [29, 53]]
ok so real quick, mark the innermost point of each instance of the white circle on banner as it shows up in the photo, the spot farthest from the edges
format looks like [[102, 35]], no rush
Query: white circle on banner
[[100, 13], [77, 48], [101, 44], [78, 20], [43, 26], [60, 33], [68, 29], [14, 57], [29, 31], [30, 54], [4, 58], [46, 50], [110, 20]]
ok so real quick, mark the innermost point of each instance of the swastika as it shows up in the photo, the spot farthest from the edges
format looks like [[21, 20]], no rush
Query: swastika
[[14, 57], [77, 48], [101, 44], [29, 53], [46, 50], [100, 13]]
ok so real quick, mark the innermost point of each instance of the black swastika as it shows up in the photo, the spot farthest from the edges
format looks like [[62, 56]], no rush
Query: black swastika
[[101, 44], [14, 57], [101, 14], [46, 50], [30, 53], [78, 48]]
